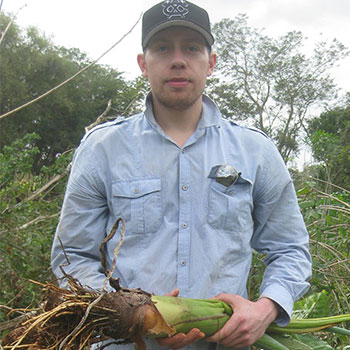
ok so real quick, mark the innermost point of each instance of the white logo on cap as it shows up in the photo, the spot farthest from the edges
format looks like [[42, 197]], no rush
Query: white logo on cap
[[175, 8]]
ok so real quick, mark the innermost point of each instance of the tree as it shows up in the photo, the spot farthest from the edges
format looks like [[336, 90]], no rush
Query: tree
[[269, 82], [329, 137], [32, 64]]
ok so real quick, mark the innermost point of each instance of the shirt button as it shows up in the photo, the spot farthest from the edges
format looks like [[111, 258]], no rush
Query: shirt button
[[184, 225], [185, 187], [231, 193], [136, 191], [183, 263]]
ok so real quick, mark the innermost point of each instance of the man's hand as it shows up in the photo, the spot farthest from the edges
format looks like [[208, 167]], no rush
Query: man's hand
[[248, 322], [180, 340]]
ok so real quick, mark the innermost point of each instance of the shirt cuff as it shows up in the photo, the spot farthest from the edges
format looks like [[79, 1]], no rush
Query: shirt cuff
[[284, 302]]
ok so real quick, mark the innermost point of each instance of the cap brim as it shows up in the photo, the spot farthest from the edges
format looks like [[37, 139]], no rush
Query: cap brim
[[207, 36]]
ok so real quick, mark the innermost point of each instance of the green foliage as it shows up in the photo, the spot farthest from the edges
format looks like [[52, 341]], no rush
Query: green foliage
[[313, 306], [326, 211], [329, 138], [255, 276], [32, 64], [309, 313], [11, 166], [27, 223], [269, 82], [328, 220], [302, 342], [327, 216], [317, 306]]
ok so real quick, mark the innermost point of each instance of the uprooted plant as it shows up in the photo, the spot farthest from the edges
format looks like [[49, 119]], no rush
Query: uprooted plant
[[77, 317]]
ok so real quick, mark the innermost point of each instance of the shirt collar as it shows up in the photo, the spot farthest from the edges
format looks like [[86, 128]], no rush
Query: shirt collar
[[211, 115]]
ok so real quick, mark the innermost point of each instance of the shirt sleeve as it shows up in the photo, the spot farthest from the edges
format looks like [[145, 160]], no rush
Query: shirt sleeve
[[280, 234], [82, 224]]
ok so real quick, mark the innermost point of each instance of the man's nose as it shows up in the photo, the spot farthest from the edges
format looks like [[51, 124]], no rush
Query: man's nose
[[178, 59]]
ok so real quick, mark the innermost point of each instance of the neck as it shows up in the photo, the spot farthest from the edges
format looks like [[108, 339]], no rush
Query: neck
[[179, 125]]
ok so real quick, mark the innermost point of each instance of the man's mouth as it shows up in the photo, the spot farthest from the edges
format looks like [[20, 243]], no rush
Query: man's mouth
[[178, 82]]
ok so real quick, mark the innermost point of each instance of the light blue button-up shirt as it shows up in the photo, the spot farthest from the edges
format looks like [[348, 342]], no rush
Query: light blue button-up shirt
[[184, 229]]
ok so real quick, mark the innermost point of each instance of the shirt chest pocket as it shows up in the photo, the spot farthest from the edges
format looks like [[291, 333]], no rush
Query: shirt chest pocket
[[230, 208], [138, 202]]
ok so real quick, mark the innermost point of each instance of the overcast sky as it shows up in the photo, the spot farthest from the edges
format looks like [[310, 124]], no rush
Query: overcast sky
[[94, 26]]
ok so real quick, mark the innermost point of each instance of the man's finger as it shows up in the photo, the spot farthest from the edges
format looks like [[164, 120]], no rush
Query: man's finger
[[180, 340], [225, 332], [173, 342], [174, 293]]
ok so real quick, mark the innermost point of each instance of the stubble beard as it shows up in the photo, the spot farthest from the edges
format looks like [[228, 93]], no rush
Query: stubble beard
[[178, 103]]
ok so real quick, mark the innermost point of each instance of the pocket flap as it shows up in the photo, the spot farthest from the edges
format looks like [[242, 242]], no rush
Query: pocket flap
[[242, 180], [136, 188]]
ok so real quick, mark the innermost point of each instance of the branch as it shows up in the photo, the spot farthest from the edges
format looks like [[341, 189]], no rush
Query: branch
[[336, 208], [69, 79], [9, 24], [16, 321], [125, 112], [109, 273], [100, 118], [335, 264], [46, 186], [329, 196], [338, 255], [37, 193], [36, 220], [329, 184]]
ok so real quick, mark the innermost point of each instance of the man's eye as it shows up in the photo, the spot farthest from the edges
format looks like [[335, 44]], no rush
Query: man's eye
[[163, 48], [193, 48]]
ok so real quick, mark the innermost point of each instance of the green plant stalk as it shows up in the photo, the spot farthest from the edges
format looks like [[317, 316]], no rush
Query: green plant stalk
[[309, 325], [183, 314], [266, 342], [338, 330], [210, 315]]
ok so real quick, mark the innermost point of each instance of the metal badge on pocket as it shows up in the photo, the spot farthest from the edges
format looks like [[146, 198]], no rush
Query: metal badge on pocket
[[224, 174]]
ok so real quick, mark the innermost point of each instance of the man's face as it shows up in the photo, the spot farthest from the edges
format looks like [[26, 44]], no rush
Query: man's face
[[177, 63]]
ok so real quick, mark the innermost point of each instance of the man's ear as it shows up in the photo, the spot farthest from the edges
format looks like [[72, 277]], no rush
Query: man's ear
[[142, 64], [212, 62]]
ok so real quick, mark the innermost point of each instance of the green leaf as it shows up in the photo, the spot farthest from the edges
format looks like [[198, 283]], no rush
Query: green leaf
[[268, 342], [304, 191], [291, 342], [313, 306], [307, 204], [338, 330], [302, 342], [313, 342]]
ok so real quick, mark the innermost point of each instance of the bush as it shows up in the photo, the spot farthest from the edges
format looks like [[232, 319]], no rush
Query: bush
[[28, 221]]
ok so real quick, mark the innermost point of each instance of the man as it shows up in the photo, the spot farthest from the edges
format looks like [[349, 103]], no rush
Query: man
[[197, 192]]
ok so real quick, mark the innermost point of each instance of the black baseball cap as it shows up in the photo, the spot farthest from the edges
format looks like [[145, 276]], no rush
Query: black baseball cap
[[171, 13]]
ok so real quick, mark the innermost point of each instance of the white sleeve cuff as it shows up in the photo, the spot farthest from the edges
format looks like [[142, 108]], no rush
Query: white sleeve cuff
[[284, 301]]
